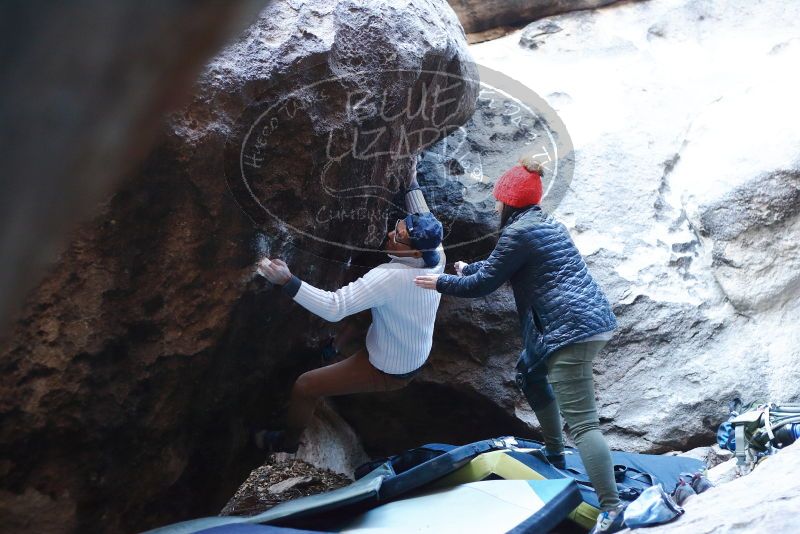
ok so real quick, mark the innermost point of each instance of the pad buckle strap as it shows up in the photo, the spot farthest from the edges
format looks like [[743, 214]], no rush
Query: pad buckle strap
[[506, 442]]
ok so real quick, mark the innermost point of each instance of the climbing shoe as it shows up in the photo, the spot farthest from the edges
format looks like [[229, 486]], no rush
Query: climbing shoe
[[273, 441], [610, 521], [329, 351], [557, 460]]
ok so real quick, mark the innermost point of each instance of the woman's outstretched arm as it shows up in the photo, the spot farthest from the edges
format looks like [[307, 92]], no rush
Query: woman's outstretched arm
[[473, 267], [509, 254]]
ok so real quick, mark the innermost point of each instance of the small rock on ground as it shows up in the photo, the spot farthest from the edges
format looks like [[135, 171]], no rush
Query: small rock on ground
[[281, 480]]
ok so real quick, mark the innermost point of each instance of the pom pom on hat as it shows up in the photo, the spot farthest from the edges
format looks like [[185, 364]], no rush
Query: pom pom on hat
[[521, 185], [531, 164]]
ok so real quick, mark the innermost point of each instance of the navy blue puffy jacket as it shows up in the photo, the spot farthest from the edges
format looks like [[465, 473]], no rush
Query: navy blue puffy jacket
[[558, 301]]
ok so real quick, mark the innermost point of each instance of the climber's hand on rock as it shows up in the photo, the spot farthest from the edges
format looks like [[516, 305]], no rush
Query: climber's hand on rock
[[261, 265], [276, 271], [412, 179], [459, 266], [426, 281]]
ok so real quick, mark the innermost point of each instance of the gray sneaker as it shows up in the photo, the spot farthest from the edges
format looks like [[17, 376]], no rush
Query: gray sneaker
[[610, 521]]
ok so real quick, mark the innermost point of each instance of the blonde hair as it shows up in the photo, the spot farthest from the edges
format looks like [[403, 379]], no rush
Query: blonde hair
[[531, 164]]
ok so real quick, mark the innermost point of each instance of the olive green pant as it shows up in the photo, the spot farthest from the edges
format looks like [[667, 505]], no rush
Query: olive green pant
[[569, 371]]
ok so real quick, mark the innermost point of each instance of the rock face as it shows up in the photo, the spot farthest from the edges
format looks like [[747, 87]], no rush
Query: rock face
[[766, 500], [80, 105], [131, 377], [687, 212], [330, 443], [478, 16]]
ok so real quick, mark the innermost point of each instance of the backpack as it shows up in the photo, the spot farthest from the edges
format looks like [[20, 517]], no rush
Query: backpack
[[760, 432]]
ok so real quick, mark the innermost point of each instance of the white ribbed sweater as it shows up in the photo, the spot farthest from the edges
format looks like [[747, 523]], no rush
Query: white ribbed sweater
[[401, 334]]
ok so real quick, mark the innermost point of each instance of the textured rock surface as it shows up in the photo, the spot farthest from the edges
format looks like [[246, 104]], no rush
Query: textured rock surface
[[478, 16], [711, 456], [131, 377], [83, 89], [330, 443], [290, 483], [723, 473], [766, 500]]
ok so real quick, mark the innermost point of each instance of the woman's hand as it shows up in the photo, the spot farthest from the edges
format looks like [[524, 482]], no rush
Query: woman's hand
[[459, 266], [426, 281]]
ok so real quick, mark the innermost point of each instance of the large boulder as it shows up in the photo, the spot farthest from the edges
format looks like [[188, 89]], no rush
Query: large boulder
[[133, 373], [746, 210], [83, 90]]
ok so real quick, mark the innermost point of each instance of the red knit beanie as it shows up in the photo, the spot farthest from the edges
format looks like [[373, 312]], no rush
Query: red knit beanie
[[521, 185]]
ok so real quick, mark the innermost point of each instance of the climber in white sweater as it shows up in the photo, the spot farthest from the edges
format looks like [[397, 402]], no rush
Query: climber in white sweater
[[401, 334]]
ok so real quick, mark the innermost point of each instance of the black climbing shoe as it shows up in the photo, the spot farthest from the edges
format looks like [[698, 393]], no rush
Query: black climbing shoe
[[329, 352], [557, 460]]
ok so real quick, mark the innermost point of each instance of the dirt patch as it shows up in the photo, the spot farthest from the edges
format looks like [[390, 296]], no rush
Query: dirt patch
[[267, 485]]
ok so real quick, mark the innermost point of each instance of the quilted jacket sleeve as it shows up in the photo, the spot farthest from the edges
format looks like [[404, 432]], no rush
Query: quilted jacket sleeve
[[509, 254], [472, 268]]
